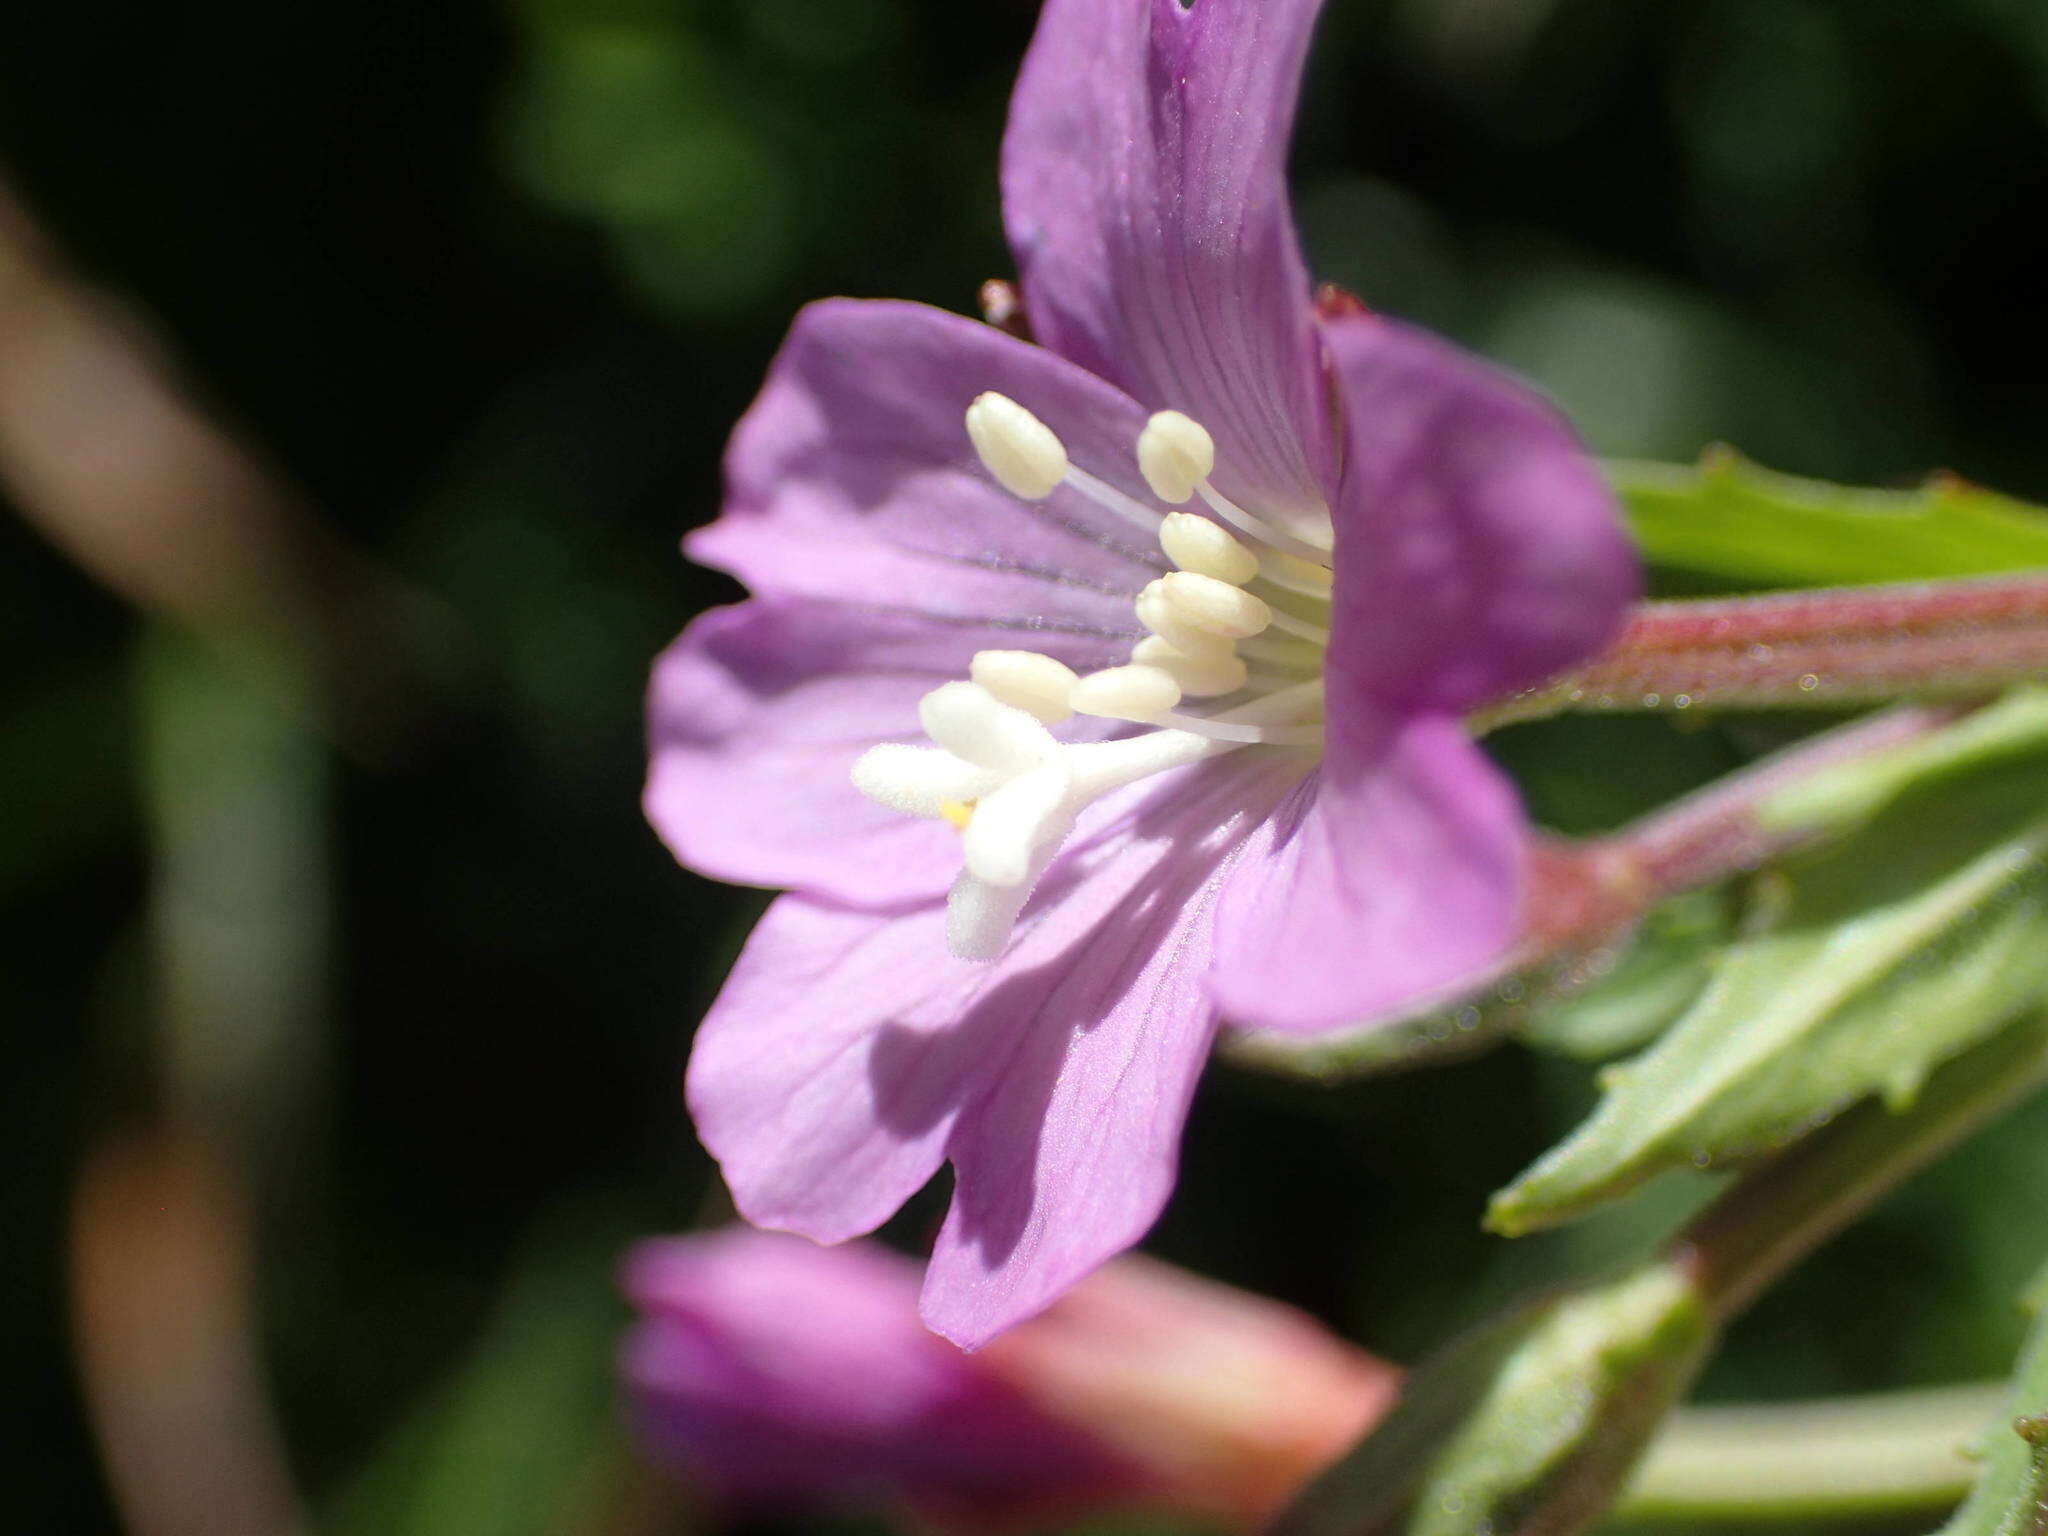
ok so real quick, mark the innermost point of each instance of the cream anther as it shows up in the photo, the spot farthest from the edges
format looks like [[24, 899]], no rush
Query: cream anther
[[1175, 454], [1203, 675], [1012, 789], [1026, 680], [1194, 543], [1127, 693], [1021, 451], [1022, 825], [919, 781], [1157, 613], [1203, 602], [971, 723]]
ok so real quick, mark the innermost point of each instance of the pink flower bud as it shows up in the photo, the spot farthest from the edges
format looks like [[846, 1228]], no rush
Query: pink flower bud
[[767, 1371], [1226, 1401]]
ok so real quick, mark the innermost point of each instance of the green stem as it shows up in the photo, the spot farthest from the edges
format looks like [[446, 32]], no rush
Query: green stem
[[1885, 1453], [1783, 1210], [1786, 1208]]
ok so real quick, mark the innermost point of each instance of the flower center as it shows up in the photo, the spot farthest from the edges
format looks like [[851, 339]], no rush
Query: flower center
[[1242, 620]]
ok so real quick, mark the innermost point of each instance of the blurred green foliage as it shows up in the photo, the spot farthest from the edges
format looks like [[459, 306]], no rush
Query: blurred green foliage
[[487, 284], [1729, 520]]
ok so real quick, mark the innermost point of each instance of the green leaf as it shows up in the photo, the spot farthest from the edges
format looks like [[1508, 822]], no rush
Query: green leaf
[[1570, 1412], [1663, 968], [1839, 799], [1530, 1424], [1884, 956], [1728, 518], [1371, 1487], [2011, 1496]]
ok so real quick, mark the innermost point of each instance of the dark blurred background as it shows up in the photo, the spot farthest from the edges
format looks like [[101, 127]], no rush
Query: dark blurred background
[[360, 366]]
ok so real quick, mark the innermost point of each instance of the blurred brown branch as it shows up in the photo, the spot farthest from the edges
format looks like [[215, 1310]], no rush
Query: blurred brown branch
[[272, 630], [103, 451], [160, 1287]]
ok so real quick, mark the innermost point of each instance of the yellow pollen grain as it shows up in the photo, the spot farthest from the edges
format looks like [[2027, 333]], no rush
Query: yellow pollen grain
[[958, 812]]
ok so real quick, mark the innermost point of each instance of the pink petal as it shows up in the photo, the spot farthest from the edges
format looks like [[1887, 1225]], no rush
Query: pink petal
[[1144, 190], [886, 557], [755, 717], [1071, 1155], [852, 479], [848, 1055], [1392, 879], [827, 1076], [1479, 550]]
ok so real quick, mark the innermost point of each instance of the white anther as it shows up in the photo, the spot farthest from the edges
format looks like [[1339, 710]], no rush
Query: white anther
[[1021, 451], [1127, 693], [971, 723], [1157, 613], [1014, 825], [1203, 602], [1175, 454], [1194, 543], [1206, 675], [919, 781], [1026, 680]]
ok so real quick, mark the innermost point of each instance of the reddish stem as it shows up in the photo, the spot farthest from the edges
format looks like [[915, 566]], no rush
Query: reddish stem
[[1835, 647], [1585, 892], [1839, 612]]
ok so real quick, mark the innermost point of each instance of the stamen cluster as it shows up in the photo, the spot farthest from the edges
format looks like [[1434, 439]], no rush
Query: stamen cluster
[[997, 772]]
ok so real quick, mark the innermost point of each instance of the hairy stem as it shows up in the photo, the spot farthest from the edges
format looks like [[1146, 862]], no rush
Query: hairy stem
[[1532, 1425], [1828, 648], [1789, 1206], [1587, 890], [1786, 1208]]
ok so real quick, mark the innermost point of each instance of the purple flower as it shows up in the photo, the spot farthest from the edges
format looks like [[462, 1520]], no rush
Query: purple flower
[[1211, 763], [769, 1371], [772, 1372]]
